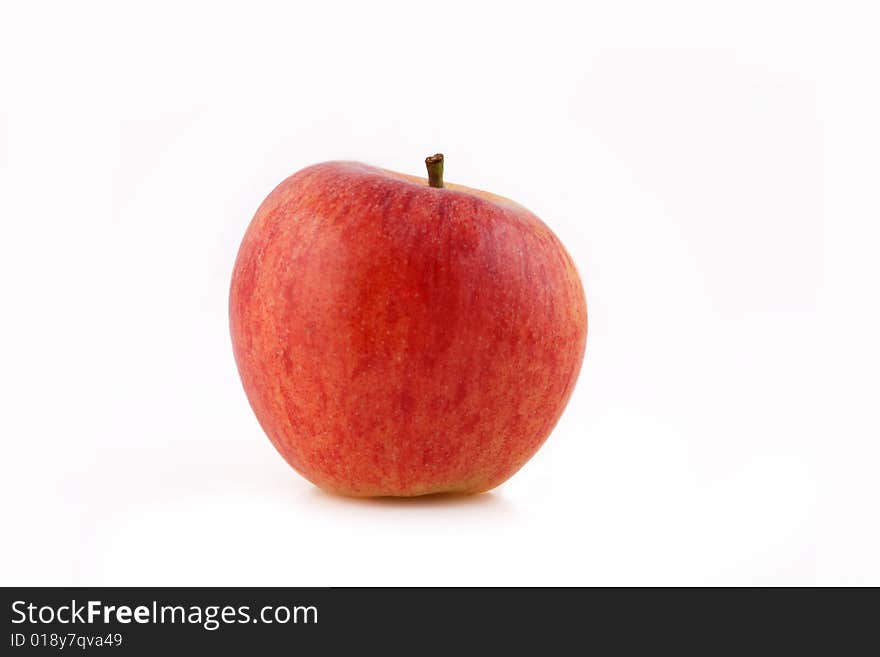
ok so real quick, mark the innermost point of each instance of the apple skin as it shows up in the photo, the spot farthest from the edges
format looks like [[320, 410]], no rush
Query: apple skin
[[396, 339]]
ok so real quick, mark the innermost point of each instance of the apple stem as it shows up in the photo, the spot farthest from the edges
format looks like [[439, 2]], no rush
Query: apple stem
[[435, 170]]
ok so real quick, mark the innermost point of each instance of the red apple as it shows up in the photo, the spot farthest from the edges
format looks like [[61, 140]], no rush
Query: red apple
[[396, 337]]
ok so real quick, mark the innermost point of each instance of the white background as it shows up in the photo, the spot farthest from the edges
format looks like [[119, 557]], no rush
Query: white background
[[714, 169]]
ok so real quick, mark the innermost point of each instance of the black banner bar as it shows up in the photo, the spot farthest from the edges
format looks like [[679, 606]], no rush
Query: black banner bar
[[133, 621]]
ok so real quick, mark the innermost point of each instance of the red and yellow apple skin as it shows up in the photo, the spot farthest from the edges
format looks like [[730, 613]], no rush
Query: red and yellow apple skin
[[396, 339]]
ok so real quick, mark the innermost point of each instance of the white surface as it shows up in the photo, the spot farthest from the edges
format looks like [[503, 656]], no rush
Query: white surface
[[712, 167]]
